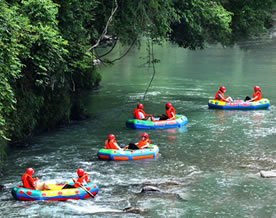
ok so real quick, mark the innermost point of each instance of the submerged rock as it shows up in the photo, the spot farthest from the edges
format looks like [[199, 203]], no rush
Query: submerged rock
[[170, 183], [2, 187], [268, 174], [133, 210], [166, 183], [169, 195], [150, 189]]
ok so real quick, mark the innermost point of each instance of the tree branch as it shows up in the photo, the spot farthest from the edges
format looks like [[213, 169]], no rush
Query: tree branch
[[114, 44], [106, 26], [125, 52]]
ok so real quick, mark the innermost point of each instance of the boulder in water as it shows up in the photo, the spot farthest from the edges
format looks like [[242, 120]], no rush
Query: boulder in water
[[268, 174], [2, 187], [150, 189], [133, 210]]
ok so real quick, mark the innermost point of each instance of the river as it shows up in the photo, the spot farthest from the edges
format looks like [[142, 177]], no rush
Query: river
[[208, 169]]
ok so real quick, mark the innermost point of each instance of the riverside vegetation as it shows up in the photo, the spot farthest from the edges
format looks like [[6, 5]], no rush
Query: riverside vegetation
[[46, 60]]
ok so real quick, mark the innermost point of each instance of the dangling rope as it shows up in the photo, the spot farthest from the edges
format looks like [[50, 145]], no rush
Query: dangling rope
[[151, 62]]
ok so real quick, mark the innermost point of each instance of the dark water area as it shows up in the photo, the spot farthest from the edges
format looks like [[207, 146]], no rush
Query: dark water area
[[210, 168]]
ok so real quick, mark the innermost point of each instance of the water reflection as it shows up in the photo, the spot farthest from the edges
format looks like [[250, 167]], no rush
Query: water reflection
[[220, 116], [172, 134]]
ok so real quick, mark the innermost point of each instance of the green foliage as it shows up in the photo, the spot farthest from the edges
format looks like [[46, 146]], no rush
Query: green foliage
[[201, 22], [76, 22], [135, 19], [10, 65], [250, 17], [40, 58], [45, 60], [189, 23], [43, 64]]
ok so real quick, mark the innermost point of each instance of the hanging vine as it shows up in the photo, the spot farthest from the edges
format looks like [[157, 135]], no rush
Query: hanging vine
[[151, 63]]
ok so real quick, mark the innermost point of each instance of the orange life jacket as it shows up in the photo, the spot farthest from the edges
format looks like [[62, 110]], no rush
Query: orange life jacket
[[217, 96], [258, 94], [110, 144], [136, 113], [81, 180], [28, 181], [170, 112], [143, 143]]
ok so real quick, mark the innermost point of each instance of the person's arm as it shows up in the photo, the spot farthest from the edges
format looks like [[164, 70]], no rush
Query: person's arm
[[173, 116], [148, 115], [145, 146], [144, 113], [84, 182], [253, 99], [117, 146], [222, 98], [31, 182], [172, 112]]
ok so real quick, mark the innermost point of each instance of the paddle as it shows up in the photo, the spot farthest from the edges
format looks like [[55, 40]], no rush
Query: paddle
[[85, 189]]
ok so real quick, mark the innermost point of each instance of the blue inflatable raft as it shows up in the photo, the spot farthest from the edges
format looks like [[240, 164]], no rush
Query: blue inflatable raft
[[55, 194], [180, 120], [112, 154], [239, 104]]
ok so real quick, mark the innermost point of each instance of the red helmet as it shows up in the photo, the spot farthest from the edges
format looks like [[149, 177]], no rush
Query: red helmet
[[222, 88], [168, 105], [111, 136], [80, 172], [145, 135], [140, 106], [30, 171], [257, 88]]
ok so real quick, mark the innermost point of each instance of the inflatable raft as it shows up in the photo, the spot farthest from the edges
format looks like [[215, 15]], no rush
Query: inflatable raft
[[180, 120], [239, 104], [55, 194], [111, 154]]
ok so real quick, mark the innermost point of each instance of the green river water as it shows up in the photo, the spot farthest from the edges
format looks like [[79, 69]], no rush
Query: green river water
[[210, 168]]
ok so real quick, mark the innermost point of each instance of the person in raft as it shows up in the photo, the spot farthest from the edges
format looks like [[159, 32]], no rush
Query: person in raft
[[170, 112], [82, 179], [220, 96], [111, 143], [257, 95], [139, 114], [32, 183], [143, 143]]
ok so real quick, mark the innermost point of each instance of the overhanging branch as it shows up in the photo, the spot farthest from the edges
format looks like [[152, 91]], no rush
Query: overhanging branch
[[106, 26], [125, 52]]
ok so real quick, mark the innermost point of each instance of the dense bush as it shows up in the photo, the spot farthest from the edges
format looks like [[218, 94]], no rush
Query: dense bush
[[42, 67]]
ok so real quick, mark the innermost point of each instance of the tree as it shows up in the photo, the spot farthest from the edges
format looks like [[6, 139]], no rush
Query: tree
[[10, 65], [250, 18], [200, 22]]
